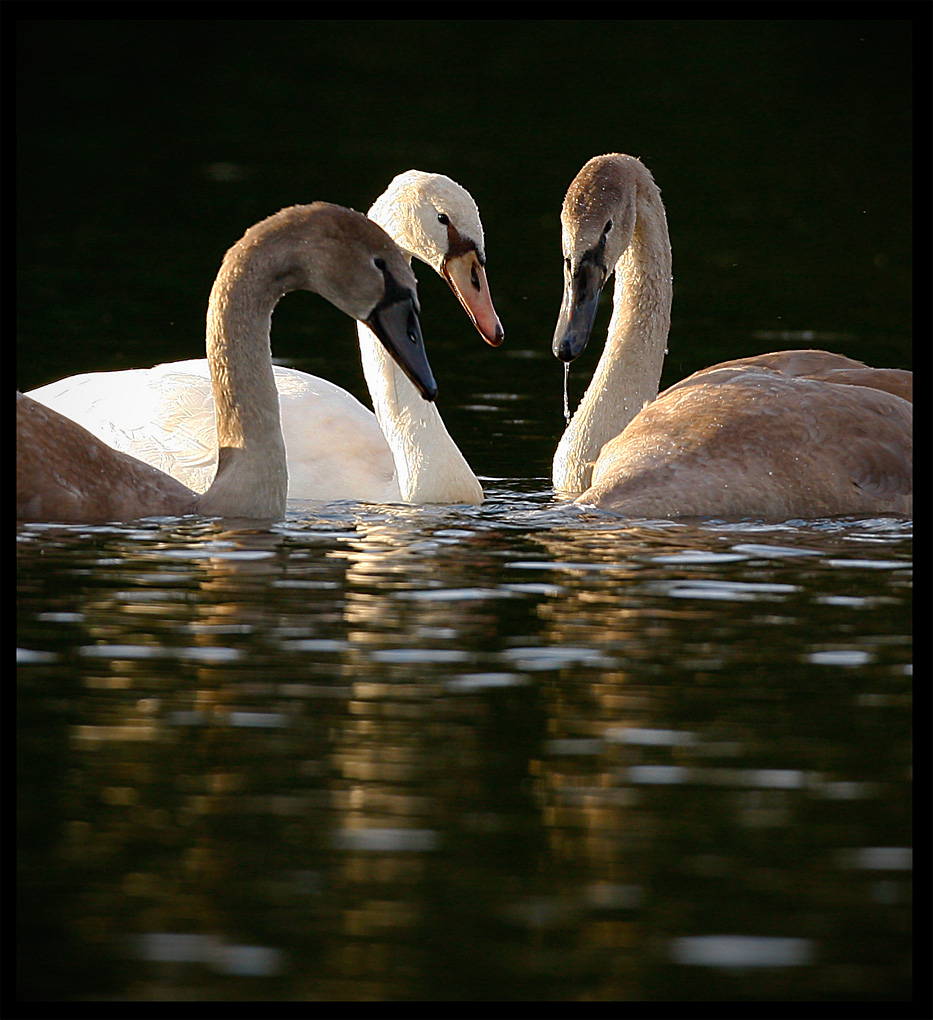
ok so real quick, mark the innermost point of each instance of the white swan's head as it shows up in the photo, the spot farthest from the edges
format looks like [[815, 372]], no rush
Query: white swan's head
[[435, 220], [597, 225], [416, 210]]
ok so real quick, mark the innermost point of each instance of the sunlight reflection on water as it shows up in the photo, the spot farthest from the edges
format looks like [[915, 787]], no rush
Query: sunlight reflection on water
[[417, 727]]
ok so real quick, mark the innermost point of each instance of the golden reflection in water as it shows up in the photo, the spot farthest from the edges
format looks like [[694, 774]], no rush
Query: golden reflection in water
[[401, 758]]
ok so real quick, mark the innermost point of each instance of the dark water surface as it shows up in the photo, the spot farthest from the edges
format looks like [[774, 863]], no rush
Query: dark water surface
[[516, 751], [509, 752]]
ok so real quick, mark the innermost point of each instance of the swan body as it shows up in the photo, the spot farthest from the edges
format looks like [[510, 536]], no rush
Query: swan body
[[64, 473], [780, 435], [165, 415]]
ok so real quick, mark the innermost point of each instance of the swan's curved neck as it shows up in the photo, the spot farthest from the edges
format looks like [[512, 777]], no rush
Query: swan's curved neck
[[628, 372], [428, 463], [252, 472]]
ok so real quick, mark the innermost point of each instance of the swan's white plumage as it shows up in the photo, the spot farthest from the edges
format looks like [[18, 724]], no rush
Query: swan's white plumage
[[165, 417], [779, 435]]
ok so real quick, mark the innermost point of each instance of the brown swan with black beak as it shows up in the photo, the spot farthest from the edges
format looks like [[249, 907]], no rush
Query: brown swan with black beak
[[66, 474], [791, 434]]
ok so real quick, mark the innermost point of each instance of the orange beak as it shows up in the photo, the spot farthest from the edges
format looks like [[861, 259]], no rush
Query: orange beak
[[467, 280]]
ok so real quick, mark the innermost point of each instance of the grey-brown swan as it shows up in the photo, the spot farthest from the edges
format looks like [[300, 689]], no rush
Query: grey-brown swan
[[790, 434], [66, 474], [165, 415]]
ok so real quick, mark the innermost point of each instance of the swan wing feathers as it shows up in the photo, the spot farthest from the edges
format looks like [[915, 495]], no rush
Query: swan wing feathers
[[164, 416], [760, 443]]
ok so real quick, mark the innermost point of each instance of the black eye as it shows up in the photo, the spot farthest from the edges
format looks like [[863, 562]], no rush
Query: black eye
[[379, 263], [607, 227], [443, 218]]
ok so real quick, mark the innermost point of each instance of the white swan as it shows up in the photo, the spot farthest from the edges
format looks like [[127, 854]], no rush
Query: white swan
[[165, 415], [787, 434], [63, 473]]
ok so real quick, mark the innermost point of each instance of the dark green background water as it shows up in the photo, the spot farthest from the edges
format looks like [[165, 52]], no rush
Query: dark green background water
[[504, 752]]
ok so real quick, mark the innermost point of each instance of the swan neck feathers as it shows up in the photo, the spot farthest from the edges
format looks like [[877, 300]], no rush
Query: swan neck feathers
[[427, 215], [614, 207], [429, 466]]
